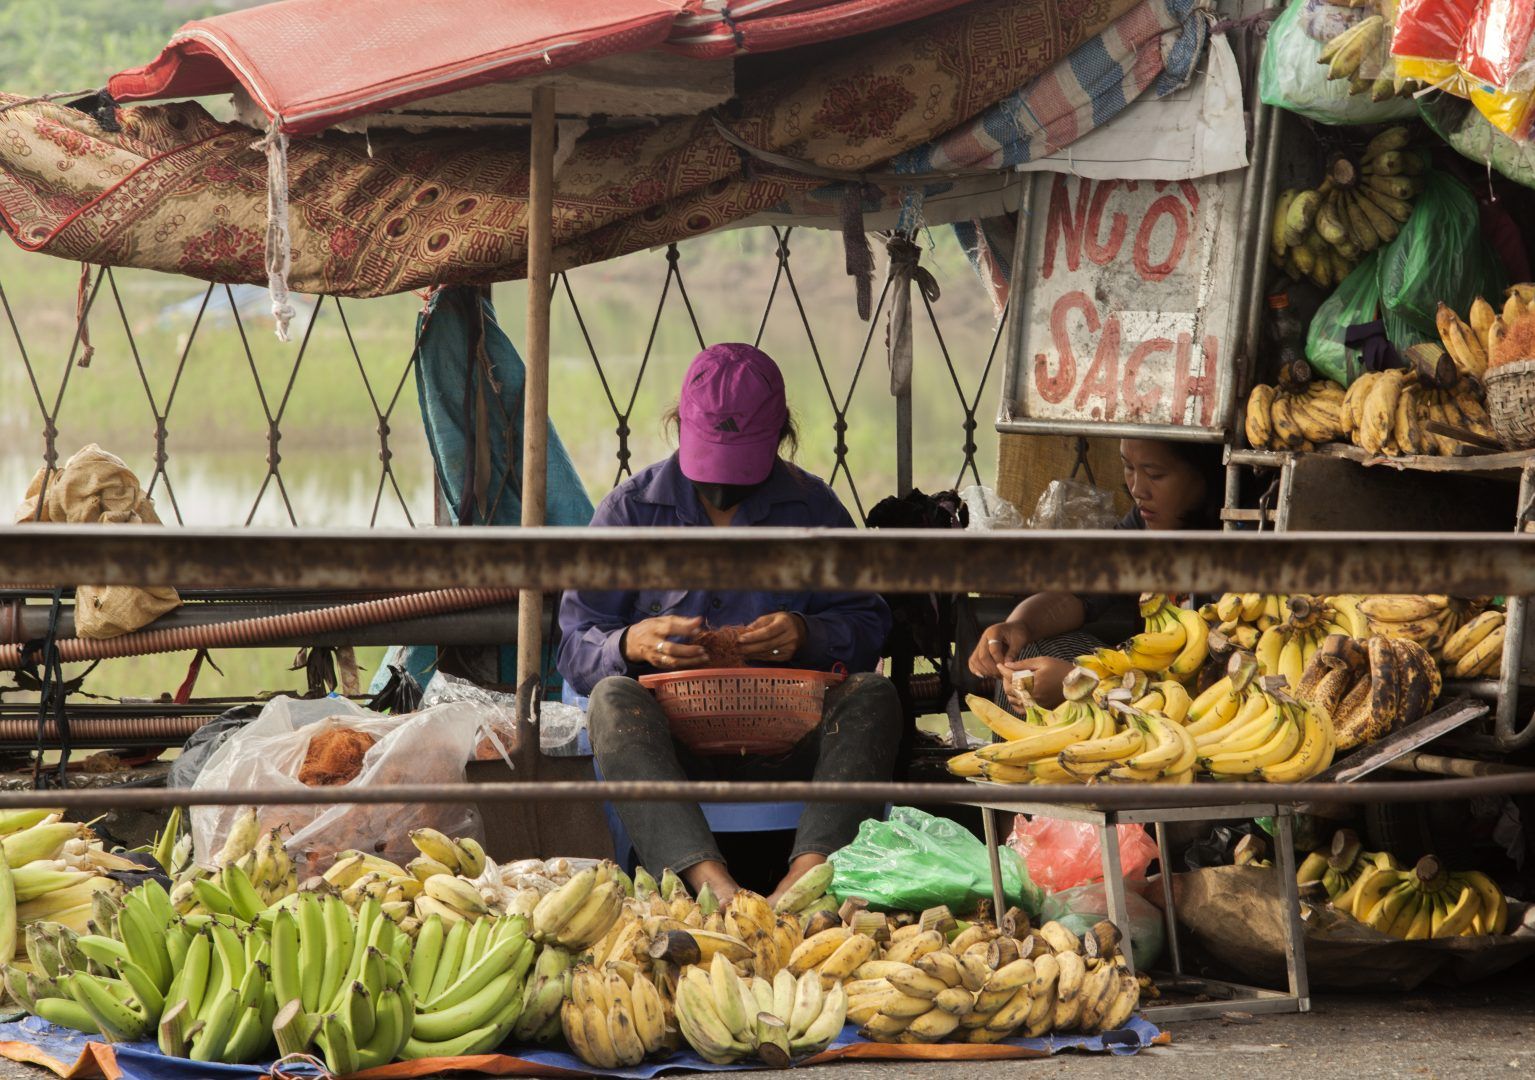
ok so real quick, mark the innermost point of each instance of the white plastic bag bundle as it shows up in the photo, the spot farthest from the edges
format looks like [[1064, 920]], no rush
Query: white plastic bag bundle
[[426, 747]]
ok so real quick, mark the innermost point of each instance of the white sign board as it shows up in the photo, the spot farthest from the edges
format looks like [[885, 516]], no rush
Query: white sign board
[[1127, 292]]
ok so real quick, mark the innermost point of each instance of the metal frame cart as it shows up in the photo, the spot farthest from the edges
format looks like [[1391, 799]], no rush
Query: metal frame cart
[[1223, 996]]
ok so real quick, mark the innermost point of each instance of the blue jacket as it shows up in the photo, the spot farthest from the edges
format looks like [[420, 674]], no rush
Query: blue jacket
[[843, 628]]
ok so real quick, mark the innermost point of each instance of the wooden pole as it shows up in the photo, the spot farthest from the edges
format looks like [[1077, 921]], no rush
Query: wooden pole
[[535, 412]]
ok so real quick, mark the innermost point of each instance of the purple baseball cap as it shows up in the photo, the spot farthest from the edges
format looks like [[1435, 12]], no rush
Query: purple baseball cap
[[732, 411]]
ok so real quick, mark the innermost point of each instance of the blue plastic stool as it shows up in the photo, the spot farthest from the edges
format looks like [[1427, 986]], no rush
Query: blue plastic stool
[[721, 817]]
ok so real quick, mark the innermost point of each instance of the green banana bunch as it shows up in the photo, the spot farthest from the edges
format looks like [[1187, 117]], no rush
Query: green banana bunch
[[470, 983]]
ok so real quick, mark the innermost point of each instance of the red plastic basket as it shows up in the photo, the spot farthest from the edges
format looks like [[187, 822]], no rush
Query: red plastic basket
[[741, 710]]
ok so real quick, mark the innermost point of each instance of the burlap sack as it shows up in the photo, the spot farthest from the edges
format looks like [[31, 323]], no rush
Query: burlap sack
[[97, 487]]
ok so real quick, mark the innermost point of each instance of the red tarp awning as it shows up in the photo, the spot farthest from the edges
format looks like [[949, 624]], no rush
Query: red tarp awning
[[317, 62]]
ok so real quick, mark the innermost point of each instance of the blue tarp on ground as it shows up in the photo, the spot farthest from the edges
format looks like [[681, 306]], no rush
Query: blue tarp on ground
[[143, 1061]]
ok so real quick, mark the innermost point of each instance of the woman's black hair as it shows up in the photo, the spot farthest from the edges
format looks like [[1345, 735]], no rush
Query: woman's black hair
[[788, 435], [1205, 460]]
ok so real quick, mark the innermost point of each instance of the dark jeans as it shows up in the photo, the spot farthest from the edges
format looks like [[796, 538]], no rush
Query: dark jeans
[[857, 740]]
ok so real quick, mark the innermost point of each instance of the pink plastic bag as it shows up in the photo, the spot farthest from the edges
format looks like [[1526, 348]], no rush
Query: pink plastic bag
[[1497, 40], [1064, 854]]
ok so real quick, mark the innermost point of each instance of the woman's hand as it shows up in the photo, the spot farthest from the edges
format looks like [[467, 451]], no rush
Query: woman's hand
[[1049, 674], [650, 642], [998, 645], [775, 637]]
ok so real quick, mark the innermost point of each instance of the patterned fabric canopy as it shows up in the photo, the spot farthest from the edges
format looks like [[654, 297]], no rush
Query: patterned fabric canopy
[[174, 190]]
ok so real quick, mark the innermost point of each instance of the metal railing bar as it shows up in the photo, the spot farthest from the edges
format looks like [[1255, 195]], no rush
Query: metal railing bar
[[1098, 796], [883, 560]]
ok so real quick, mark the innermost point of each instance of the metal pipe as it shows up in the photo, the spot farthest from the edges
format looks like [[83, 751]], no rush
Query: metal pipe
[[1104, 797], [1273, 121], [535, 401], [487, 626], [246, 632], [1112, 429], [1439, 765], [1017, 307], [1513, 639], [777, 559]]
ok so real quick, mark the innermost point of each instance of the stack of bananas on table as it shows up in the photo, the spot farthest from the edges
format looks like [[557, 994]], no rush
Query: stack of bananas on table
[[1427, 901], [983, 986], [1282, 630], [1475, 343], [1294, 414], [1322, 233], [1475, 651], [1368, 689], [255, 872], [1430, 620], [1382, 412], [1387, 412], [1236, 729], [1175, 641]]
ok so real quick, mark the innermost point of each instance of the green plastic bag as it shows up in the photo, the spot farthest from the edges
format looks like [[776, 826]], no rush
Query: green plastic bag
[[1290, 78], [1356, 300], [1439, 255], [913, 861]]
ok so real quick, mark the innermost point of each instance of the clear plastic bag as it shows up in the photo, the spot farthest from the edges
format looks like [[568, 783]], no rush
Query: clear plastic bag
[[427, 747], [1078, 909], [1290, 78], [1071, 504], [1064, 854], [988, 510], [913, 861]]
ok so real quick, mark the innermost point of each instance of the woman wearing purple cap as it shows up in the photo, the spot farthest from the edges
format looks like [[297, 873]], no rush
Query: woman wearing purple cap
[[732, 421]]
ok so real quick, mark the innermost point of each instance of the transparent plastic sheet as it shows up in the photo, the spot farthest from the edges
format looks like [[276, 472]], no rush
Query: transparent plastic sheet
[[912, 861], [1323, 21], [988, 510], [1078, 909], [498, 708], [1290, 78], [1071, 504], [1063, 854], [426, 747]]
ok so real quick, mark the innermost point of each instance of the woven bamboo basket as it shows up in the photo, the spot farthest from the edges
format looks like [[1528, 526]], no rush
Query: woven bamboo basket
[[1511, 403]]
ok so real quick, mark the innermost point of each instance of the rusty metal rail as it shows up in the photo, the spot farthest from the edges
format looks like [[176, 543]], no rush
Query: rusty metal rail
[[893, 561], [1103, 796]]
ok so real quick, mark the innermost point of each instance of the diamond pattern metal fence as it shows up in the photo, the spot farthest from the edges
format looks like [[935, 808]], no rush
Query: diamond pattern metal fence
[[225, 426]]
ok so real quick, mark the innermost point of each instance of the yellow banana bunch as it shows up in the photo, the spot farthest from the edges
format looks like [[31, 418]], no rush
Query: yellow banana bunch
[[1475, 651], [1423, 902], [1300, 419]]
